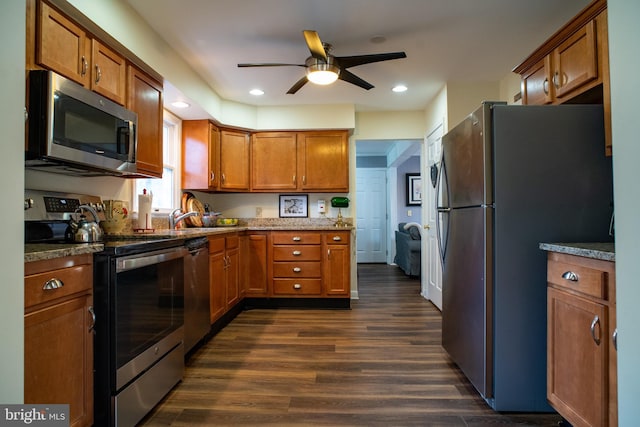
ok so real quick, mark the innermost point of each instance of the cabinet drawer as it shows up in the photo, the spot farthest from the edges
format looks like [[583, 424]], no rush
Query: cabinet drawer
[[295, 238], [578, 278], [232, 242], [297, 286], [296, 253], [338, 237], [69, 281], [297, 269]]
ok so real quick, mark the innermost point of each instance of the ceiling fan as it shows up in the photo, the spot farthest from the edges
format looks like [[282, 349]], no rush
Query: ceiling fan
[[323, 68]]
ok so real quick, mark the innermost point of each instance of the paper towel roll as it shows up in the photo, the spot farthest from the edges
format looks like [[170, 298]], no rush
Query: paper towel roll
[[144, 210]]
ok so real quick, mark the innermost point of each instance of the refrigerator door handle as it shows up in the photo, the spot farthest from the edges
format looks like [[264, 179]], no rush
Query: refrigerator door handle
[[440, 210]]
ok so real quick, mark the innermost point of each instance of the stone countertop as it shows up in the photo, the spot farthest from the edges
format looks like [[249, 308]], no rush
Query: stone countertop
[[601, 251], [40, 251]]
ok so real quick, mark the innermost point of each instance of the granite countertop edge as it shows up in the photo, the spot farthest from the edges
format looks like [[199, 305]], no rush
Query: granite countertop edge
[[44, 251], [602, 251]]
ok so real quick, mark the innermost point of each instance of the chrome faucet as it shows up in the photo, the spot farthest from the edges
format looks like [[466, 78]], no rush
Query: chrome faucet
[[174, 220]]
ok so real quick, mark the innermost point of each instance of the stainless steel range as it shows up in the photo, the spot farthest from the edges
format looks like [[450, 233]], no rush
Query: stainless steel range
[[139, 303]]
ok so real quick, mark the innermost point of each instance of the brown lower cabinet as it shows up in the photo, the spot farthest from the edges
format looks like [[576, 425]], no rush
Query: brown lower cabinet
[[581, 354], [224, 273], [58, 336]]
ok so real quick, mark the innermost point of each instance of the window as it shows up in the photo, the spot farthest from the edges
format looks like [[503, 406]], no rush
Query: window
[[166, 191]]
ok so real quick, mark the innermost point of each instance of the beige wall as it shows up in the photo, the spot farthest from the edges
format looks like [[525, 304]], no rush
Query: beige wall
[[463, 98], [389, 125], [12, 31]]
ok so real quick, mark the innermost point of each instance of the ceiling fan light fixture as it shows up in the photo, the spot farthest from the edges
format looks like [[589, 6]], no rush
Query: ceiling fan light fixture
[[322, 73]]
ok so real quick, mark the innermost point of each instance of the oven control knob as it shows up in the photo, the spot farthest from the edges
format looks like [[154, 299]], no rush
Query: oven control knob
[[28, 204], [156, 350]]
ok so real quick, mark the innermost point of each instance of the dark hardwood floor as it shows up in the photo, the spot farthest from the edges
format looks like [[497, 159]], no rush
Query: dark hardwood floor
[[378, 364]]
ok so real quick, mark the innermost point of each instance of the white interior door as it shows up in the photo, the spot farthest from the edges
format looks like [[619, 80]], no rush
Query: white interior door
[[431, 279], [371, 200]]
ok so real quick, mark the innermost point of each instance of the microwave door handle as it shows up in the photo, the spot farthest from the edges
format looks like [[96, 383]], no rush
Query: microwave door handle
[[123, 136]]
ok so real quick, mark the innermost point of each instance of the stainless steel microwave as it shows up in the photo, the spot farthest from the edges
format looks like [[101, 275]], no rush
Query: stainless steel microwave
[[75, 131]]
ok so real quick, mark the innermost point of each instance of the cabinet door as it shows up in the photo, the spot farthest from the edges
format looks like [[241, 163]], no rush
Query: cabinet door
[[323, 160], [58, 357], [108, 72], [62, 46], [213, 174], [145, 99], [536, 84], [577, 355], [575, 61], [337, 270], [233, 276], [254, 264], [217, 285], [234, 160], [273, 161]]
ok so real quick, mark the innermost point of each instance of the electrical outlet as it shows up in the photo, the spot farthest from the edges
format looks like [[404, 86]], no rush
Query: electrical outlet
[[258, 212], [409, 212], [322, 207]]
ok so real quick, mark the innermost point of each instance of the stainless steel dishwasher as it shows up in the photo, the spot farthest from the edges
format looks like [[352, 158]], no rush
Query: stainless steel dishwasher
[[197, 320]]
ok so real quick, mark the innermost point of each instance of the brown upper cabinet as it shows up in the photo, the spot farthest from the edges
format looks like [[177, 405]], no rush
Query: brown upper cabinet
[[572, 66], [234, 160], [200, 155], [300, 161], [323, 161], [292, 161], [67, 49], [64, 41], [145, 98]]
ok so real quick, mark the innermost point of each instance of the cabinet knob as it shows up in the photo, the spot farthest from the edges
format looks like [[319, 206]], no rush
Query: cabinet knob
[[84, 66], [297, 286], [570, 275], [337, 238], [296, 238], [52, 284], [297, 269], [296, 253]]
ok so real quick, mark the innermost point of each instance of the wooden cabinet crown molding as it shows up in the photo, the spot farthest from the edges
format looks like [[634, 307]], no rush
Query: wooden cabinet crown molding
[[580, 20]]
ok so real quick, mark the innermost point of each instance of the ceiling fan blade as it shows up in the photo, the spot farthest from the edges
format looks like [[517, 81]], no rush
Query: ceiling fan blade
[[315, 45], [296, 87], [270, 65], [352, 61], [349, 77]]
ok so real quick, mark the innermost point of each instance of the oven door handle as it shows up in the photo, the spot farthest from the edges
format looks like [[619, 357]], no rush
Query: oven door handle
[[151, 258]]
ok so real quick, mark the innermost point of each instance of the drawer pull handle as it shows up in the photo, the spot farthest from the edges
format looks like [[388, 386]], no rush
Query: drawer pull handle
[[297, 253], [297, 269], [296, 238], [594, 323], [337, 238], [92, 327], [297, 286], [570, 275], [52, 284]]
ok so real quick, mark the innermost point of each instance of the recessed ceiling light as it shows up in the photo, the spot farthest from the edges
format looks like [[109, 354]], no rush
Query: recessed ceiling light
[[180, 104], [399, 88], [256, 92]]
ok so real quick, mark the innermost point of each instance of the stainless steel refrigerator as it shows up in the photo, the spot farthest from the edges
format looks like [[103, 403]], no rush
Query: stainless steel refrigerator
[[510, 178]]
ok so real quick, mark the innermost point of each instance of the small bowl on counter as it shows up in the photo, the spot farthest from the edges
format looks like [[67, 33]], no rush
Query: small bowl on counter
[[226, 222]]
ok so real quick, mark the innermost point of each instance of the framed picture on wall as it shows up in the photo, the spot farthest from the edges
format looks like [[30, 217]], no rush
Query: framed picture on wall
[[294, 205], [414, 189]]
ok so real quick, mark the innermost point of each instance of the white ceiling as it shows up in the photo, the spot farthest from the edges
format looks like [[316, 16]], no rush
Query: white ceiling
[[445, 40]]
